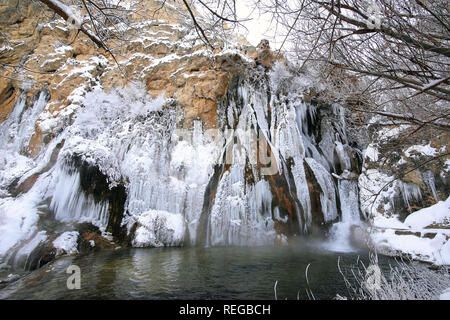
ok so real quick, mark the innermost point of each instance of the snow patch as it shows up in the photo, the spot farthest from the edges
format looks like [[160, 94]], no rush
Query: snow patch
[[436, 214], [427, 150], [435, 250], [371, 152], [159, 228], [66, 243]]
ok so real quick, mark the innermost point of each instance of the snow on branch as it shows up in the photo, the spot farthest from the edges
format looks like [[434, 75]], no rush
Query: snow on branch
[[67, 14]]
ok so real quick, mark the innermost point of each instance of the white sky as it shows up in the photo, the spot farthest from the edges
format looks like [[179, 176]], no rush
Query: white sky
[[259, 27]]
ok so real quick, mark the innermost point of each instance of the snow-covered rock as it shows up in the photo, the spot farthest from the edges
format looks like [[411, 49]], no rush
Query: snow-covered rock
[[159, 228], [66, 243], [425, 235], [438, 214]]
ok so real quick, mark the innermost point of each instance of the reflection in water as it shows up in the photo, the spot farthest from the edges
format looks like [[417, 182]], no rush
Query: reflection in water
[[191, 273], [153, 272]]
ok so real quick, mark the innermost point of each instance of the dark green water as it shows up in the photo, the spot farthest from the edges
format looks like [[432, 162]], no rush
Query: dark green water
[[193, 273]]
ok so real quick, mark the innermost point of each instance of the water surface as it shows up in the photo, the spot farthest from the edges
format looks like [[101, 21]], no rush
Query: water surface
[[194, 273]]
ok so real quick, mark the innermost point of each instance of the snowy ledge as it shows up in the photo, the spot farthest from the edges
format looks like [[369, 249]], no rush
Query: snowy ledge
[[414, 237]]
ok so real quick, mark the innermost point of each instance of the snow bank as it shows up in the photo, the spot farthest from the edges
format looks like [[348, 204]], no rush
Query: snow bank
[[435, 250], [387, 222], [436, 214]]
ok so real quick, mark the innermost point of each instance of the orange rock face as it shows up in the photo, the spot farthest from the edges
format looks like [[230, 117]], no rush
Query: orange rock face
[[160, 52], [7, 98]]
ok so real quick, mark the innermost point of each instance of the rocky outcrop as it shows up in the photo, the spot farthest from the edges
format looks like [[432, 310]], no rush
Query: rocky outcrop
[[412, 166], [406, 174]]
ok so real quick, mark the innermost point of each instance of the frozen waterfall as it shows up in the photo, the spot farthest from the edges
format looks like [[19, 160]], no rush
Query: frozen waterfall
[[341, 233], [266, 174]]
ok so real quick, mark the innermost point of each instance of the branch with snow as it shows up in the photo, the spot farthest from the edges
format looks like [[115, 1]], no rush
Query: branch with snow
[[66, 13]]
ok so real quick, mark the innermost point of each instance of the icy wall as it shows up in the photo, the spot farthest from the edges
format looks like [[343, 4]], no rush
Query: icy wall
[[274, 167]]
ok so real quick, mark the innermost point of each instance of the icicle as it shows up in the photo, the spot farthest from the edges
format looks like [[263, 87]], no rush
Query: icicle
[[17, 129], [277, 216], [340, 112], [9, 127], [344, 159], [328, 195], [303, 195], [132, 140], [71, 204], [302, 120], [410, 191], [428, 178], [197, 137], [239, 217]]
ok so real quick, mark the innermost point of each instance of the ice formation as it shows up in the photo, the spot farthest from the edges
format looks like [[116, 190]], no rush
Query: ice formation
[[248, 182], [71, 205]]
